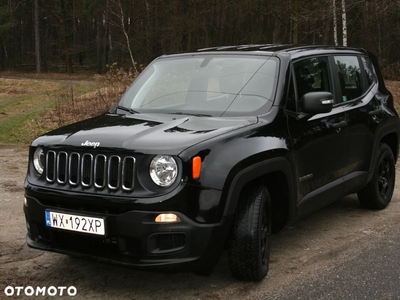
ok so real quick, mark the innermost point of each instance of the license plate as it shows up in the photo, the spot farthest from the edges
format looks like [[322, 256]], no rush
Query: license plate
[[75, 223]]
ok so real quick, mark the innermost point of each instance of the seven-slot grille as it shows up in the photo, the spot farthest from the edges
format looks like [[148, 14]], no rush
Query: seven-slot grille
[[90, 170]]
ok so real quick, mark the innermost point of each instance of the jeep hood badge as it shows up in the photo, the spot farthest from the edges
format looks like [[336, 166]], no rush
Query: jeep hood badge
[[91, 144]]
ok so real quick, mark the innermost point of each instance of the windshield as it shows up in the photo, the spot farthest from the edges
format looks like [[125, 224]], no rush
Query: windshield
[[205, 85]]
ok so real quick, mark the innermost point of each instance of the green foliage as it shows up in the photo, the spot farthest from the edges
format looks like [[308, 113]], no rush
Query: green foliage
[[6, 21]]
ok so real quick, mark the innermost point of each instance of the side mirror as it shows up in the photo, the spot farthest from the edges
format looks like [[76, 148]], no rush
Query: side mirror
[[317, 102]]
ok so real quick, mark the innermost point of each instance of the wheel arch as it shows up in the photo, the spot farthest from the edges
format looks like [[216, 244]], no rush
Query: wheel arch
[[391, 139], [276, 175], [389, 135]]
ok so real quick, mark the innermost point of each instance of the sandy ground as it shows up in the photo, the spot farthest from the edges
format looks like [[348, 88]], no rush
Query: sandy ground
[[336, 233]]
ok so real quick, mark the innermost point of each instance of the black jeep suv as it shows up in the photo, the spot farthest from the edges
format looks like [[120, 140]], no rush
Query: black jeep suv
[[213, 149]]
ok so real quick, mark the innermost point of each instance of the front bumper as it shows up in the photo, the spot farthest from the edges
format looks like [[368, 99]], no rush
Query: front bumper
[[132, 238]]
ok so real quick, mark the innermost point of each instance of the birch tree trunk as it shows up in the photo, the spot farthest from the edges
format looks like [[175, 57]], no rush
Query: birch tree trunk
[[344, 23], [334, 23], [121, 17]]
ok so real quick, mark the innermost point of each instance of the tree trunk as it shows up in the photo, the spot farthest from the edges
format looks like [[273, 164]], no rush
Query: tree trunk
[[147, 27], [64, 38], [294, 23], [37, 38], [122, 18], [335, 38], [106, 34], [379, 32], [344, 23], [2, 56], [99, 44], [326, 29]]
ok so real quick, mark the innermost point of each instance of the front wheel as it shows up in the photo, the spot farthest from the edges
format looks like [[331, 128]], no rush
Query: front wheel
[[377, 194], [250, 237]]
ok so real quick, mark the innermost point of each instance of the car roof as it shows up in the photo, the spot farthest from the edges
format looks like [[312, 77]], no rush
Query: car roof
[[293, 50]]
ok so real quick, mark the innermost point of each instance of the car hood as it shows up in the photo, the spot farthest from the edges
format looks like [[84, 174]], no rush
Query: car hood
[[146, 133]]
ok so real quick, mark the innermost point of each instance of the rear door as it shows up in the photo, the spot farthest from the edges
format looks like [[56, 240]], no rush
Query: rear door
[[358, 89]]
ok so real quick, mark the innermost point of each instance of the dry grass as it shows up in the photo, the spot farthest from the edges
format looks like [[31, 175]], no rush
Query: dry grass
[[32, 104], [77, 76], [19, 86], [70, 109], [394, 88], [24, 101]]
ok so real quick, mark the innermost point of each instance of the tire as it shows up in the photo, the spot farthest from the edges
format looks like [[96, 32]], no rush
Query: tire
[[250, 236], [377, 194]]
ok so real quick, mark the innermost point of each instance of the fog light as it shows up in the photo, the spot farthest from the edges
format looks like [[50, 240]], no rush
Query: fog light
[[167, 218], [25, 201]]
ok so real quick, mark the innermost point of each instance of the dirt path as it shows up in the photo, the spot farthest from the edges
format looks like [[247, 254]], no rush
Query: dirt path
[[314, 243]]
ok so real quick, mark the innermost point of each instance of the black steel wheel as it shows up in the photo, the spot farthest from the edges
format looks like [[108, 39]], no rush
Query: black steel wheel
[[378, 192], [250, 237]]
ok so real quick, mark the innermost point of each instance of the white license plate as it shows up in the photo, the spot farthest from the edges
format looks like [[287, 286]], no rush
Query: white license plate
[[75, 222]]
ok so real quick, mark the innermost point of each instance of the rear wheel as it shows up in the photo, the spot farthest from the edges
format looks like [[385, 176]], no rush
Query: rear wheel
[[377, 194], [250, 237]]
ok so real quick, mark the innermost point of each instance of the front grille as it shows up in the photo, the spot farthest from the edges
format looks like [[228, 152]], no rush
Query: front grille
[[88, 170]]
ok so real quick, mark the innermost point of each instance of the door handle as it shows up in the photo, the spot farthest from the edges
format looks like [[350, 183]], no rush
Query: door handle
[[337, 125], [374, 112]]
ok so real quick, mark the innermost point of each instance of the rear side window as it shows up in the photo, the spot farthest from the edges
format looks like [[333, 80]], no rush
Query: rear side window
[[349, 74]]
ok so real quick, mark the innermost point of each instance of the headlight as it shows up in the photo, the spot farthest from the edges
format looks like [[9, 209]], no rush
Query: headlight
[[38, 160], [163, 170]]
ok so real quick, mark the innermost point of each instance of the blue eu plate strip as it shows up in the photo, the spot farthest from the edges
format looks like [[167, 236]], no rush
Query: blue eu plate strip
[[48, 221]]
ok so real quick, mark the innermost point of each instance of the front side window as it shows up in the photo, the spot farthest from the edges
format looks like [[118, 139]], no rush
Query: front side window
[[210, 85], [312, 75], [349, 77]]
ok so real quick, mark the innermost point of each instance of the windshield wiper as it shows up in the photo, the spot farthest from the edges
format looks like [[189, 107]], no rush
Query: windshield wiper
[[190, 114], [130, 110]]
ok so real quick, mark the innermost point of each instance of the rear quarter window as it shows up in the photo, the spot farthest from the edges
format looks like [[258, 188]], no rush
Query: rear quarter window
[[369, 71]]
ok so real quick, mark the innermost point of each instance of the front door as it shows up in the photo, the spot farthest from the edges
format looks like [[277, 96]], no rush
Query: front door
[[319, 141]]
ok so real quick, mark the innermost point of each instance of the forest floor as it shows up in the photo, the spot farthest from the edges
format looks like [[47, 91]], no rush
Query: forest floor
[[394, 88]]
